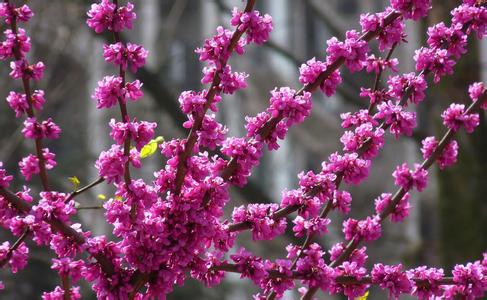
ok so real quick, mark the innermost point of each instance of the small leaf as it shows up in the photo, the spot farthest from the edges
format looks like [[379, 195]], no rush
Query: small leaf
[[75, 181], [102, 197], [119, 198], [151, 147], [363, 297]]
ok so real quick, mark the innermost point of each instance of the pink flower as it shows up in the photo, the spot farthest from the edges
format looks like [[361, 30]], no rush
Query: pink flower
[[444, 159], [437, 61], [455, 117], [472, 15], [453, 39], [399, 85], [368, 229], [18, 259], [364, 136], [314, 270], [353, 50], [353, 168], [391, 278], [342, 200], [400, 122], [107, 16], [264, 227], [111, 163], [432, 276], [140, 132], [399, 212], [285, 103], [58, 294], [17, 103], [476, 91], [388, 35], [352, 270], [211, 133], [13, 41], [249, 266], [4, 178], [358, 256], [310, 71], [67, 267], [108, 92], [8, 11], [229, 81], [377, 64], [21, 69], [47, 129], [470, 279], [412, 9], [407, 179], [122, 55], [30, 165], [216, 49], [256, 27], [247, 155], [312, 226], [193, 103], [357, 119]]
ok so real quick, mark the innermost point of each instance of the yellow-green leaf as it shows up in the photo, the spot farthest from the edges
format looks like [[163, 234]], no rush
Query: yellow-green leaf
[[102, 197], [119, 198], [75, 181], [151, 147], [363, 297]]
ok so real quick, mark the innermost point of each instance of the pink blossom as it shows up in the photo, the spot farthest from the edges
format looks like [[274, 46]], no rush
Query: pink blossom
[[232, 81], [415, 85], [353, 168], [264, 227], [407, 179], [357, 119], [58, 294], [352, 270], [254, 124], [452, 38], [34, 130], [8, 11], [437, 61], [358, 256], [285, 103], [364, 136], [4, 178], [211, 133], [21, 69], [308, 207], [473, 16], [377, 64], [13, 41], [470, 279], [446, 158], [256, 27], [312, 226], [18, 258], [400, 122], [30, 165], [278, 285], [432, 276], [353, 50], [111, 163], [216, 50], [122, 55], [53, 205], [476, 90], [67, 267], [399, 212], [249, 266], [455, 117], [342, 200], [388, 35], [412, 9], [391, 278], [140, 132], [368, 229], [108, 92], [247, 155], [107, 16], [310, 71], [314, 270]]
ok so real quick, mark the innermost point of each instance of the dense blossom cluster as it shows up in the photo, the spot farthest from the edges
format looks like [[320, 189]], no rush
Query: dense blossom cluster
[[173, 226]]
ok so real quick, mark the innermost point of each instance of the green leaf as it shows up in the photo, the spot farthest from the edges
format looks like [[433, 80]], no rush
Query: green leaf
[[75, 181], [363, 297], [151, 147], [102, 197]]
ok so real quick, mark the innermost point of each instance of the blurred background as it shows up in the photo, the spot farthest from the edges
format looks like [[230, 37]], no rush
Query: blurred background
[[447, 224]]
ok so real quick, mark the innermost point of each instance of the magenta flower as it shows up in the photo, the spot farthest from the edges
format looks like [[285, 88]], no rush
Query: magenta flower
[[432, 276], [455, 117], [400, 121], [21, 69], [391, 278], [256, 27], [123, 55], [310, 71], [438, 61], [20, 41], [353, 50], [445, 159], [398, 85], [264, 227], [399, 212], [368, 229], [412, 9], [4, 178], [30, 165], [107, 16], [407, 179]]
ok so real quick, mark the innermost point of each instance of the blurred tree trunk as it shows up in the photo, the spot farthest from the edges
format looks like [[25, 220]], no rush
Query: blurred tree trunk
[[462, 189]]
